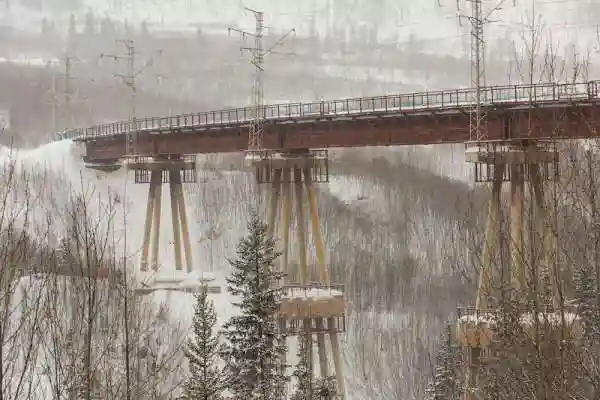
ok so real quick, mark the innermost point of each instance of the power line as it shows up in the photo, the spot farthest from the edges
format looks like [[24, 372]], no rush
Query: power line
[[478, 18], [129, 79], [258, 55]]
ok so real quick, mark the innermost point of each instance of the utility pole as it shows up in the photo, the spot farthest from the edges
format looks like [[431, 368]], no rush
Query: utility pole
[[69, 120], [258, 56], [129, 79], [478, 136], [54, 124], [478, 18]]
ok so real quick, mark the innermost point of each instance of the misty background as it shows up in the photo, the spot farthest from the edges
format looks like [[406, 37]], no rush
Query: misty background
[[392, 239]]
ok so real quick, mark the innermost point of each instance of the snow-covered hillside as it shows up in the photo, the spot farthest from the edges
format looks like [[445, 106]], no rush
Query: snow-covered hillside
[[218, 206]]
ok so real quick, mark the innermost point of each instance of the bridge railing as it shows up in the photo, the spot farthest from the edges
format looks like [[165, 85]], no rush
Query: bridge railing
[[411, 102]]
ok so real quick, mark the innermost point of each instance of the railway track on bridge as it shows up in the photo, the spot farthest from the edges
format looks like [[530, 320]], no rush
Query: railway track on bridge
[[412, 118]]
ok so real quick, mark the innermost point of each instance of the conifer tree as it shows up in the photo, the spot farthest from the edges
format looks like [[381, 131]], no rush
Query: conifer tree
[[253, 343], [206, 377], [445, 384], [324, 389]]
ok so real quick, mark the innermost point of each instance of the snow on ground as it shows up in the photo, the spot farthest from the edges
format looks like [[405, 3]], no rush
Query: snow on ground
[[217, 209], [210, 242], [350, 189]]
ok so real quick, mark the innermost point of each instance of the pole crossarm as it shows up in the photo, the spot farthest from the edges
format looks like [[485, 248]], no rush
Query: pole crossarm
[[129, 79], [257, 60]]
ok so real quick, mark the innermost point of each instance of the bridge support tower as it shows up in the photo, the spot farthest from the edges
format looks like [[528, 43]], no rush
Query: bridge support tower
[[312, 307], [174, 170], [518, 163]]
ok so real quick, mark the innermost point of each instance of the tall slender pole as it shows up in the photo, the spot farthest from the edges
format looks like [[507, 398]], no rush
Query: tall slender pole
[[477, 73], [132, 141], [54, 127], [69, 114], [258, 57]]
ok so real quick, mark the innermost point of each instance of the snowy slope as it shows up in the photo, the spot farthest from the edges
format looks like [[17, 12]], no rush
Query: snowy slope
[[219, 201]]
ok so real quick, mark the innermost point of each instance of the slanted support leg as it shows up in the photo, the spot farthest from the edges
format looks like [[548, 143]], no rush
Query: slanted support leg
[[148, 226], [320, 252], [491, 241], [274, 199], [548, 240], [185, 233], [518, 280], [175, 217], [156, 181], [484, 286], [285, 221], [316, 229], [301, 229], [337, 360]]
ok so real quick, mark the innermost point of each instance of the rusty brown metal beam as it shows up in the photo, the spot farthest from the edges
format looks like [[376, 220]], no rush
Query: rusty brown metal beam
[[569, 121]]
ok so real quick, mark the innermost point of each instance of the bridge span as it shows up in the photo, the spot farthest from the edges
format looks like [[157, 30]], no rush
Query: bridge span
[[540, 111]]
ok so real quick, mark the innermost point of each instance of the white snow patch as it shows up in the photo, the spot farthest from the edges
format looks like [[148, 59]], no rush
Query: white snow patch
[[349, 189], [311, 293]]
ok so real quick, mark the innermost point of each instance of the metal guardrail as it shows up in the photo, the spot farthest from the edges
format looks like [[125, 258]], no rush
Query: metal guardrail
[[411, 102]]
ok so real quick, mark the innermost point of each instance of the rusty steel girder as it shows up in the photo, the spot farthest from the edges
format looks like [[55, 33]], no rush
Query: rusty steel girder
[[562, 121]]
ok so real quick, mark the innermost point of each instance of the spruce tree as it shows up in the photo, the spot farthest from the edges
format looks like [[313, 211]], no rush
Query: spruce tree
[[253, 344], [445, 384], [324, 389], [206, 377]]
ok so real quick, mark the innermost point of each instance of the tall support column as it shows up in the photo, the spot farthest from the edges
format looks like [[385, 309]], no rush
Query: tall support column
[[337, 360], [157, 179], [301, 227], [517, 191], [490, 246], [316, 229], [147, 227], [175, 217], [274, 199], [286, 206], [307, 308], [476, 331], [185, 233], [158, 170], [548, 238], [484, 287]]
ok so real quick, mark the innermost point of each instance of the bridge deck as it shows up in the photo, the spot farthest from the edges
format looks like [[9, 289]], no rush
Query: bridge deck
[[543, 111]]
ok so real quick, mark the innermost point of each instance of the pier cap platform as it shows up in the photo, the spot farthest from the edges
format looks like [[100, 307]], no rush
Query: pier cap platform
[[510, 152], [279, 159], [160, 162], [478, 328], [311, 301]]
